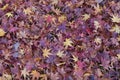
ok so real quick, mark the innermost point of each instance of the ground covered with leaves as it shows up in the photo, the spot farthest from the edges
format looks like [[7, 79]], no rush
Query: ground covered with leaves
[[59, 40]]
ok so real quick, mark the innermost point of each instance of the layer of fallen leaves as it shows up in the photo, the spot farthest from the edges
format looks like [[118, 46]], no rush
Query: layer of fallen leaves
[[59, 39]]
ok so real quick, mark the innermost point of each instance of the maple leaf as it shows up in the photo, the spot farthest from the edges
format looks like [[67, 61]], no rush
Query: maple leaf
[[6, 77], [35, 75], [115, 18], [67, 43], [60, 53], [24, 73], [46, 52], [97, 25], [2, 32], [27, 11], [86, 17], [5, 6], [9, 14], [62, 18], [116, 29], [75, 58], [98, 40], [98, 9]]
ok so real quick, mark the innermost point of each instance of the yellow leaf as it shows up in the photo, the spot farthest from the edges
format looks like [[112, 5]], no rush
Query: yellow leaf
[[86, 17], [24, 73], [75, 58], [67, 43], [27, 11], [2, 32], [115, 18], [62, 18], [98, 40], [118, 56], [97, 25], [35, 75], [98, 9], [6, 77], [4, 7], [116, 29], [46, 52], [60, 53], [9, 14]]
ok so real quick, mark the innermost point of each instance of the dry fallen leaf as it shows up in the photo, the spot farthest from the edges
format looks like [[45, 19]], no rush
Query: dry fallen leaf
[[5, 6], [6, 77], [60, 53], [62, 18], [116, 29], [24, 73], [118, 56], [46, 52], [98, 40], [28, 11], [97, 25], [97, 8], [67, 43], [75, 58], [35, 75], [86, 17], [9, 14], [2, 32], [115, 18]]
